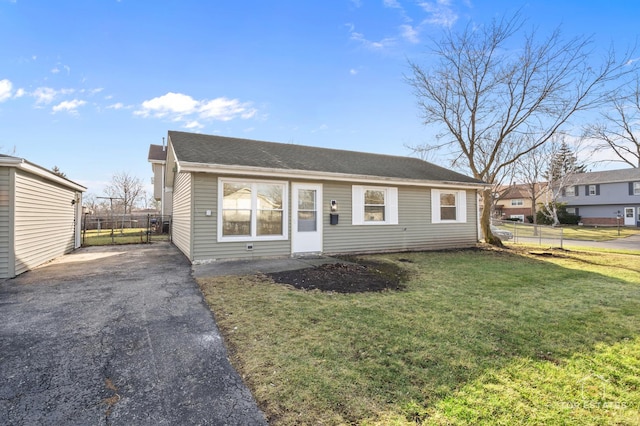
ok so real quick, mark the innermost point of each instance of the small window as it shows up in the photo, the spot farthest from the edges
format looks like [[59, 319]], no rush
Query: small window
[[570, 191], [592, 190], [571, 210], [520, 217], [636, 188], [519, 202], [448, 206], [374, 205]]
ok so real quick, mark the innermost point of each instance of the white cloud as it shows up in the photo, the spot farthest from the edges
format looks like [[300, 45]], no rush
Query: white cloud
[[19, 93], [55, 70], [193, 125], [171, 103], [5, 89], [180, 107], [441, 13], [392, 4], [69, 106], [375, 45], [353, 71], [410, 34], [224, 109], [46, 95], [117, 105]]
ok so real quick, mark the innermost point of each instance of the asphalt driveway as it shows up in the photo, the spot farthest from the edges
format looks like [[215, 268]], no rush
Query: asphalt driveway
[[115, 335]]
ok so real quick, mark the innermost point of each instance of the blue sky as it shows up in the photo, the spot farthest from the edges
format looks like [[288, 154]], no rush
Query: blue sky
[[88, 85]]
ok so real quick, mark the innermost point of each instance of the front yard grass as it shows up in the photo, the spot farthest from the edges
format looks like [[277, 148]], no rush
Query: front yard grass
[[590, 233], [477, 337]]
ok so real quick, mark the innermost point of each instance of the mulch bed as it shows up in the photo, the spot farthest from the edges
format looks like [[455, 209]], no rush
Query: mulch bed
[[345, 277]]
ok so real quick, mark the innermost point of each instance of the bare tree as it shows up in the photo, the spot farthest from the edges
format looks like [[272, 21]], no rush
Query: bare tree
[[619, 129], [126, 189], [529, 169], [495, 104]]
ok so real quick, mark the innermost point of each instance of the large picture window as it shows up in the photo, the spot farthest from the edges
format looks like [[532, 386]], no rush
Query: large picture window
[[448, 206], [251, 210], [374, 205]]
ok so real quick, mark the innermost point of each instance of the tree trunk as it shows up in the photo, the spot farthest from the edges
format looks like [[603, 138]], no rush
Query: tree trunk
[[485, 219]]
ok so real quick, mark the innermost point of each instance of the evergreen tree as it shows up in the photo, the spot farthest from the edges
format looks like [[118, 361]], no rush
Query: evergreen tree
[[56, 170], [564, 162]]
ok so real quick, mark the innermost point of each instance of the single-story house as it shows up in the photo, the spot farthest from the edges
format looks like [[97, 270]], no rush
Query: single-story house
[[609, 197], [40, 215], [238, 198]]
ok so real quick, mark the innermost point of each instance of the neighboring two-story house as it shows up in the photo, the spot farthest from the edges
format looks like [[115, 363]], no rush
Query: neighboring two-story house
[[515, 201], [604, 198]]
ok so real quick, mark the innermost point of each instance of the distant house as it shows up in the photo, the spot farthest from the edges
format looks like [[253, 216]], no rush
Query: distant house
[[515, 201], [40, 215], [604, 198], [158, 158], [240, 198]]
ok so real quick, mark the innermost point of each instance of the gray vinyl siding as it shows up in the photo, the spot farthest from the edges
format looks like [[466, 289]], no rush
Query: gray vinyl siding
[[413, 232], [206, 246], [182, 220], [44, 221], [616, 193], [6, 242]]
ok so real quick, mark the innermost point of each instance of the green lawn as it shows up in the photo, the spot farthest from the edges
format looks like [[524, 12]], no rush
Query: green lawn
[[584, 233], [478, 337], [597, 234]]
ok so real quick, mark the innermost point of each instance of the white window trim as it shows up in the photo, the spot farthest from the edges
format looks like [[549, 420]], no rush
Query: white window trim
[[595, 190], [573, 191], [390, 202], [461, 205], [517, 202], [254, 203], [636, 188]]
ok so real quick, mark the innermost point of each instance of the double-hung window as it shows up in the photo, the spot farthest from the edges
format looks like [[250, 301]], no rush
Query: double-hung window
[[448, 206], [570, 191], [374, 205], [636, 188], [250, 210], [517, 202]]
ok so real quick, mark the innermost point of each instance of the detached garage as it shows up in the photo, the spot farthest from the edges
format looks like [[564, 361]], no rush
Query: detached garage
[[40, 215]]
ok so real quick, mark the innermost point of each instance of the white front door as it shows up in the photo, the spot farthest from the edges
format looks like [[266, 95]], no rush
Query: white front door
[[629, 216], [306, 218]]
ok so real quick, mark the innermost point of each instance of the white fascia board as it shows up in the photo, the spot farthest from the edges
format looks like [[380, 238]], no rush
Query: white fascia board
[[314, 175], [22, 164]]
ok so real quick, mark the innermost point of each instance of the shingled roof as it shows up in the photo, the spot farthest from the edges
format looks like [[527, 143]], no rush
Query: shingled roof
[[219, 150], [607, 176], [157, 153]]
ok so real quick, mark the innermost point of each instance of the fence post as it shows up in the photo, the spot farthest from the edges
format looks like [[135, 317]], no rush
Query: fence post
[[561, 235], [148, 227]]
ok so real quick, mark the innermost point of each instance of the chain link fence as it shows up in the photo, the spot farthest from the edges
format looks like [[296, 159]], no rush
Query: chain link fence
[[528, 233], [125, 229]]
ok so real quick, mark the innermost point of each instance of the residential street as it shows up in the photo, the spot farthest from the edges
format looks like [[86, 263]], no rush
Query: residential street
[[115, 335], [628, 243]]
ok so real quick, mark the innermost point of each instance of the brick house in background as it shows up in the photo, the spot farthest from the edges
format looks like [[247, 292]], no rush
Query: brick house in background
[[515, 201]]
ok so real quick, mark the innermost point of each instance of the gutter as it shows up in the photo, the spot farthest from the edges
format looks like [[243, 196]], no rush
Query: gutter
[[22, 164]]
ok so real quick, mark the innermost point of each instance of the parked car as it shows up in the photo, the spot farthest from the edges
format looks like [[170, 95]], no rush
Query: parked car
[[503, 234]]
